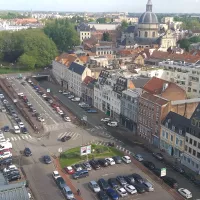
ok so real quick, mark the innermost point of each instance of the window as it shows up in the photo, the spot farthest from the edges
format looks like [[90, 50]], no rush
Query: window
[[190, 150], [173, 128], [192, 163], [186, 148], [194, 152], [197, 166], [163, 133], [198, 155], [167, 135], [176, 141], [172, 138], [181, 143], [199, 145], [186, 138], [188, 159], [146, 34], [153, 34], [195, 143], [190, 140]]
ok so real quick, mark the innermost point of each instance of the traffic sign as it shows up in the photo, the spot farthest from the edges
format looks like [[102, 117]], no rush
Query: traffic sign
[[163, 172]]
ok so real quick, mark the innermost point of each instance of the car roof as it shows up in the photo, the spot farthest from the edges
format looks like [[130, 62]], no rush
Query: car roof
[[55, 172], [69, 168], [67, 188], [127, 157], [186, 190], [93, 182]]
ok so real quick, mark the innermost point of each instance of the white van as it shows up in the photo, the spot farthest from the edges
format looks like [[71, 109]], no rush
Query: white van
[[5, 145], [16, 129]]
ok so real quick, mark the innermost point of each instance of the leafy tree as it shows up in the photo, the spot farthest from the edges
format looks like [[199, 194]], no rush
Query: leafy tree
[[106, 36], [63, 33], [101, 20], [27, 61], [124, 25], [194, 39], [184, 44]]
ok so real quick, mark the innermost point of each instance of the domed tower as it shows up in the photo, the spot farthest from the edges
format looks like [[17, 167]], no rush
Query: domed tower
[[148, 23]]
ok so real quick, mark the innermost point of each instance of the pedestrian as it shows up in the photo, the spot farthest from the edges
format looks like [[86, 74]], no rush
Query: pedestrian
[[78, 192]]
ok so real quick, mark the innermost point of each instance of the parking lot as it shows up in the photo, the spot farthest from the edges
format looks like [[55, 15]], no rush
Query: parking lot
[[114, 171]]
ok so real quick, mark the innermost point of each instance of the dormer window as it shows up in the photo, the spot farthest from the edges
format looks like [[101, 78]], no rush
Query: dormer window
[[180, 131], [173, 128], [166, 124]]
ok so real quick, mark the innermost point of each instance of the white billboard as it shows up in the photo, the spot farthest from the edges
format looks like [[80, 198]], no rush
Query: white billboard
[[85, 150]]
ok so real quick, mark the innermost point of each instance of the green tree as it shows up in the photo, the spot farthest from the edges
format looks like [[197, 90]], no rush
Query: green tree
[[106, 36], [63, 33], [27, 61], [184, 44], [194, 39], [101, 20], [124, 25]]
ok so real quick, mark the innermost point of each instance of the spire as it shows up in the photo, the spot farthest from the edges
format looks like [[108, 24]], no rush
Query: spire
[[149, 6]]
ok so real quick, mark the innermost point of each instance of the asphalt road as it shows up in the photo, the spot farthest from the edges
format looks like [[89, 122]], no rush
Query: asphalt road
[[94, 121]]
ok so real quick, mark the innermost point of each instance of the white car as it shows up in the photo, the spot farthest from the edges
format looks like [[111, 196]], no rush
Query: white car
[[130, 189], [16, 129], [11, 167], [4, 140], [122, 192], [81, 103], [1, 96], [55, 174], [2, 136], [21, 124], [126, 159], [21, 94], [94, 186], [185, 193], [112, 124], [71, 97], [139, 157], [76, 99], [5, 146], [67, 119], [6, 154], [110, 161], [105, 120], [60, 112], [41, 119]]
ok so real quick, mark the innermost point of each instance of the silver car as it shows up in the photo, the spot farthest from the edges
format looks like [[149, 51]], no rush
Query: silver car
[[148, 186], [68, 193], [94, 186], [87, 166]]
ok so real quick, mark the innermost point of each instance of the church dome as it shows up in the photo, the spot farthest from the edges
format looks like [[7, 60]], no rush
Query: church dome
[[148, 17]]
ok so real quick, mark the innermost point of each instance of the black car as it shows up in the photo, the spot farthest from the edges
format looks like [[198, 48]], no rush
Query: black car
[[103, 162], [6, 161], [159, 156], [14, 177], [65, 138], [138, 178], [103, 184], [27, 152], [117, 159], [157, 172], [47, 159], [95, 165], [121, 180], [189, 176], [113, 183], [149, 165], [140, 188], [24, 130], [129, 179], [102, 195], [178, 169], [197, 182], [170, 181]]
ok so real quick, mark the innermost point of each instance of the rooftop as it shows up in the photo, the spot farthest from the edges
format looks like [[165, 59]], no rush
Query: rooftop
[[79, 69]]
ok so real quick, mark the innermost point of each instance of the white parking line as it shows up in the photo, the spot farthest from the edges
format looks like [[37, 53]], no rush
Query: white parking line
[[22, 137], [12, 138], [15, 138], [19, 138]]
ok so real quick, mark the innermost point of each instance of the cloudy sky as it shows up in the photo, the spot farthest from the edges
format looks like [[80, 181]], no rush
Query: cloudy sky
[[181, 6]]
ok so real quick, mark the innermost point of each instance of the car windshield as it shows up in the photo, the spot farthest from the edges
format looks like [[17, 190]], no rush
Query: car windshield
[[95, 186], [69, 192]]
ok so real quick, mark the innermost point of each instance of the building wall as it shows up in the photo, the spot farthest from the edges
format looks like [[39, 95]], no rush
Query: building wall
[[191, 156], [150, 29], [87, 94], [84, 35]]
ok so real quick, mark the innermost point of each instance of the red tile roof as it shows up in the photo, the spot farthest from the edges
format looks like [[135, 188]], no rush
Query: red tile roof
[[66, 59], [88, 79]]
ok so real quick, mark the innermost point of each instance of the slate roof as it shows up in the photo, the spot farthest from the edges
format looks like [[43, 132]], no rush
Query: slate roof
[[178, 121], [130, 29], [148, 18], [128, 41], [147, 41], [79, 69], [139, 82], [15, 191]]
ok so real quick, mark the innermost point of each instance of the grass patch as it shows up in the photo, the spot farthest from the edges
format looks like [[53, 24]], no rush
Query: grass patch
[[72, 156], [13, 70]]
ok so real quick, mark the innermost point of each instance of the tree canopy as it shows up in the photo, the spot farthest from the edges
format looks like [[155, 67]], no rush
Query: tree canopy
[[12, 15], [189, 23], [30, 48], [106, 36], [63, 33], [185, 43]]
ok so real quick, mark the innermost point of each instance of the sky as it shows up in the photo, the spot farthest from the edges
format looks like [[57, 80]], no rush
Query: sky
[[159, 6]]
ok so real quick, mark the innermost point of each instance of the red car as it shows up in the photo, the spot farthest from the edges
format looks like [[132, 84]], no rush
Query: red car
[[5, 150], [69, 170], [54, 105]]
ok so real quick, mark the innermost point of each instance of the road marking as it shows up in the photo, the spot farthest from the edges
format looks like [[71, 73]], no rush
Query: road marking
[[22, 137], [30, 136], [60, 135], [97, 127], [12, 138], [19, 138], [15, 138], [26, 136]]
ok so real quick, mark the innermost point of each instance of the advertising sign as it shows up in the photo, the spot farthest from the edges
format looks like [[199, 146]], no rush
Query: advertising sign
[[85, 150], [163, 172], [48, 90]]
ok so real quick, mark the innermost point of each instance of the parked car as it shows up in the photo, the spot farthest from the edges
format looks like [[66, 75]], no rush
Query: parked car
[[9, 168], [87, 166], [185, 193], [121, 180], [170, 181], [112, 124], [5, 154], [40, 119], [130, 189], [113, 183], [6, 161], [138, 178], [159, 156], [126, 159], [178, 168], [94, 186], [157, 171], [110, 161], [76, 99], [65, 138], [66, 118], [13, 177], [21, 124], [103, 184], [77, 167], [81, 174], [139, 157], [129, 179], [102, 195], [27, 152], [69, 170], [71, 97], [47, 159], [117, 159], [24, 130], [91, 111], [16, 129], [139, 187], [60, 182], [67, 192], [103, 162], [112, 194], [122, 192], [95, 165], [55, 175], [148, 186], [105, 119], [149, 165]]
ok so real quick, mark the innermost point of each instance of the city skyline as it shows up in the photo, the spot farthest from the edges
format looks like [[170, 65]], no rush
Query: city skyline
[[170, 6]]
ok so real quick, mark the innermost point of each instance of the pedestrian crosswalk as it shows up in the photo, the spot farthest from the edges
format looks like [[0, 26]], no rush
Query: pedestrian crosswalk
[[96, 128], [21, 137], [73, 135], [55, 127]]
